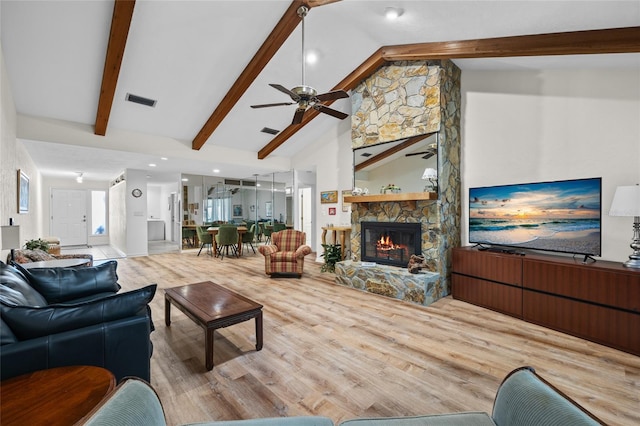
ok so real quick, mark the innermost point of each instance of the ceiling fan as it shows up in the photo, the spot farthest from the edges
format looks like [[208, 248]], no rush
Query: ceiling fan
[[430, 152], [307, 97]]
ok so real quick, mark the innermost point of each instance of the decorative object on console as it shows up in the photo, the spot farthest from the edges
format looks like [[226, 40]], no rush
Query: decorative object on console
[[626, 202], [416, 263], [391, 188], [11, 238], [37, 244], [432, 176]]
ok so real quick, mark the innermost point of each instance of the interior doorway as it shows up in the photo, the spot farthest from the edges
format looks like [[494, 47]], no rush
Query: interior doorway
[[306, 214]]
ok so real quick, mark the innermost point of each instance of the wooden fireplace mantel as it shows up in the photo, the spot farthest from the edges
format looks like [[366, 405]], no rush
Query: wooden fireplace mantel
[[382, 198]]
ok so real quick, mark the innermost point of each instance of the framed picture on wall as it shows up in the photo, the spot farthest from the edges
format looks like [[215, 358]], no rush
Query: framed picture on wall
[[328, 197], [332, 211], [237, 210], [23, 192], [345, 205]]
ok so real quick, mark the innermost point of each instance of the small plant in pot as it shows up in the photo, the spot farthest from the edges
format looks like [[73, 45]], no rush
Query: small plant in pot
[[38, 244], [332, 254]]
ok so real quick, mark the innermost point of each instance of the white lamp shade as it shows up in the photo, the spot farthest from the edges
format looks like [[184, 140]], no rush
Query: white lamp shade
[[429, 174], [626, 201], [10, 237]]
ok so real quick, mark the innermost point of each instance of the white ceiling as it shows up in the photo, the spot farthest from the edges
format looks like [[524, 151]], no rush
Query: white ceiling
[[187, 54]]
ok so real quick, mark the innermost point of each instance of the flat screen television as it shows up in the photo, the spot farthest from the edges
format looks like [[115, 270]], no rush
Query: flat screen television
[[561, 216]]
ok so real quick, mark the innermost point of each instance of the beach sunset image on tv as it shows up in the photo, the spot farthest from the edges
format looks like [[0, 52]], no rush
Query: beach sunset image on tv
[[560, 216]]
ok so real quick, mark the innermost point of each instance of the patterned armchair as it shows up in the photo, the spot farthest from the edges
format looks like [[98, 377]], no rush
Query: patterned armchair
[[286, 253]]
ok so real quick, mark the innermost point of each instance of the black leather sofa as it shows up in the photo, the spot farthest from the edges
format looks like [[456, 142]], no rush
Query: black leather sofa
[[53, 317]]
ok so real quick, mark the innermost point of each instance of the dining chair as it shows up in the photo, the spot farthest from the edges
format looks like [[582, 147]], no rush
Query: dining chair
[[268, 230], [226, 237], [247, 237], [205, 239]]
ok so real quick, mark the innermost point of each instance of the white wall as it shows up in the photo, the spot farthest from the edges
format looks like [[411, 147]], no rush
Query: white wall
[[136, 213], [540, 126], [332, 158], [13, 156]]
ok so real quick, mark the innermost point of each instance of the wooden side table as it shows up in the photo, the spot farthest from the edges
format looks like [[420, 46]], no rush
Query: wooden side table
[[58, 396], [344, 233]]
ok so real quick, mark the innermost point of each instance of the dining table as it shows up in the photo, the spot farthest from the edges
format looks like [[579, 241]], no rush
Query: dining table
[[214, 231]]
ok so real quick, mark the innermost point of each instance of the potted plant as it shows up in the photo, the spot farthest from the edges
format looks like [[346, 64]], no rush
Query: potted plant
[[37, 244], [332, 254]]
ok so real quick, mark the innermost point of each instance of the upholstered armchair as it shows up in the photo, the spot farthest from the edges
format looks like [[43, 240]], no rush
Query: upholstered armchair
[[285, 254]]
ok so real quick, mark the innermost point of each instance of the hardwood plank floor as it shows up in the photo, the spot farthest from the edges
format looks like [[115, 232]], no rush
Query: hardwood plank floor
[[342, 353]]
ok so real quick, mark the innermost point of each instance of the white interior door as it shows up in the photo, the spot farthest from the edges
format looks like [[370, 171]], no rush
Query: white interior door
[[69, 216]]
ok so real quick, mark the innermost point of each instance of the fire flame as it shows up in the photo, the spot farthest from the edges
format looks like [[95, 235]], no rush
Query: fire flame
[[385, 243]]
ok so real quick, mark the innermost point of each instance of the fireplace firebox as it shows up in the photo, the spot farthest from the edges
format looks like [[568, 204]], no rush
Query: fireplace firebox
[[390, 243]]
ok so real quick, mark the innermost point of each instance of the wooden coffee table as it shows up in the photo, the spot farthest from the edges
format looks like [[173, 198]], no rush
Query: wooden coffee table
[[58, 396], [212, 306]]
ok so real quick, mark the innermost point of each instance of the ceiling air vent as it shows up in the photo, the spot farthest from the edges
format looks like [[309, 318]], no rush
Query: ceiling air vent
[[248, 183], [140, 100], [270, 131], [232, 182]]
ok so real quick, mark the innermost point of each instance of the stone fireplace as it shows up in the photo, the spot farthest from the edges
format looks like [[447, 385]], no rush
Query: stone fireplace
[[400, 100], [390, 243]]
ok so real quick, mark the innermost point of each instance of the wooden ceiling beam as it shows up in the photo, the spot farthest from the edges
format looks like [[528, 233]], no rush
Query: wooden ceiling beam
[[120, 24], [615, 40], [271, 45], [389, 152]]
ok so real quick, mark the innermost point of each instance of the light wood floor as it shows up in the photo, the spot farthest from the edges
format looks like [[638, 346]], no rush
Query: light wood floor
[[342, 353]]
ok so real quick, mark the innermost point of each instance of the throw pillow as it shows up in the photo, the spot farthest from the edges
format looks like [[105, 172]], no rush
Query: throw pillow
[[65, 284], [32, 322], [15, 289]]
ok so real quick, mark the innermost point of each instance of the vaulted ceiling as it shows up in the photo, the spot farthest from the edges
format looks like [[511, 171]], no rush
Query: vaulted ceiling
[[206, 62]]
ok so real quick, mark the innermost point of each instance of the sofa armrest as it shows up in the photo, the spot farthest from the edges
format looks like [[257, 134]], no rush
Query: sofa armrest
[[122, 346], [524, 399]]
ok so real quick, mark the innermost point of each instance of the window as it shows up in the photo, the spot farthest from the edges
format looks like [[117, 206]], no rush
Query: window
[[98, 212]]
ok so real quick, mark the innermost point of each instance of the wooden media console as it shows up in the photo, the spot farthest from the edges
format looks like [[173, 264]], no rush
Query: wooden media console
[[597, 301]]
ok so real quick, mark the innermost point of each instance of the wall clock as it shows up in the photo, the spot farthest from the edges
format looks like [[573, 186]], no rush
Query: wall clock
[[136, 193]]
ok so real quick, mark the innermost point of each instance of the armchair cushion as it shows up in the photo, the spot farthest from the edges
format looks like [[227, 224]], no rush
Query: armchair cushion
[[63, 284], [31, 322]]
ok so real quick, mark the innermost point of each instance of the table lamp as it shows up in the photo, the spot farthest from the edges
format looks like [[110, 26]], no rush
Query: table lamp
[[626, 202], [432, 176], [10, 238]]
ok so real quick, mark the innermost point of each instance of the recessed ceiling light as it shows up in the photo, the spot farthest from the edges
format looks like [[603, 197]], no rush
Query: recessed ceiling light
[[311, 57], [185, 180], [216, 170], [392, 13], [164, 158], [151, 165]]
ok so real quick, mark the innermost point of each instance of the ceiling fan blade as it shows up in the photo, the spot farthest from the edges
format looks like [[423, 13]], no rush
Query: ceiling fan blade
[[272, 105], [430, 152], [329, 96], [297, 117], [283, 89], [332, 112]]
